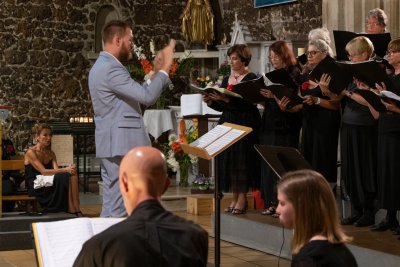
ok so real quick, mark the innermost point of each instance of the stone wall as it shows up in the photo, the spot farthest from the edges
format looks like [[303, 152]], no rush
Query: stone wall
[[44, 46]]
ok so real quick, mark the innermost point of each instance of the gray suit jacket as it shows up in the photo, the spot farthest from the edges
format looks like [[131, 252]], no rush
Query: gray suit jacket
[[116, 102]]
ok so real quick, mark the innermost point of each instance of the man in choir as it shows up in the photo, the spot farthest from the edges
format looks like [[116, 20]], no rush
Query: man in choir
[[116, 99], [376, 21], [150, 236]]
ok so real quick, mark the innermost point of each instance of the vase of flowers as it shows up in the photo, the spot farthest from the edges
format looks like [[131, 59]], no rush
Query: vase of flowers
[[177, 159]]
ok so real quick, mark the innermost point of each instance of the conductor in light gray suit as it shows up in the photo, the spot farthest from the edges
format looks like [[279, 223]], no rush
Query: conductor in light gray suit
[[116, 99]]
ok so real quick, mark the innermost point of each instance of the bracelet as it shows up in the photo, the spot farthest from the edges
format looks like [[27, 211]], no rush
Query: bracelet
[[318, 101]]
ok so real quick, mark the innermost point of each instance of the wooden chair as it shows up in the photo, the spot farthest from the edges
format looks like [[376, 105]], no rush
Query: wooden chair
[[11, 165]]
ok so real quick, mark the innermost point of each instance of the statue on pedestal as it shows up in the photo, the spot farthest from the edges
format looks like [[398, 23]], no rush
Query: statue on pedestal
[[198, 22]]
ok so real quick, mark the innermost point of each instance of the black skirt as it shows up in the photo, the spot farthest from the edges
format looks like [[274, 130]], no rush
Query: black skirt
[[388, 161], [358, 145]]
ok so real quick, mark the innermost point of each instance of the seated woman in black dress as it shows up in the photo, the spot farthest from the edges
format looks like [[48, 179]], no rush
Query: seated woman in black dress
[[63, 195], [307, 205]]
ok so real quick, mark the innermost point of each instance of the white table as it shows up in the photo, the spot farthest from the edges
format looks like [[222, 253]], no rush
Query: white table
[[158, 121]]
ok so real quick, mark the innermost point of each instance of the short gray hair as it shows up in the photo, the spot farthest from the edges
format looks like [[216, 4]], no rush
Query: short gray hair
[[321, 45], [320, 33], [380, 15]]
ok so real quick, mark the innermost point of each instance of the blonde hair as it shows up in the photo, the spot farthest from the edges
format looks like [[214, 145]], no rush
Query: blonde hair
[[394, 45], [314, 207], [360, 45]]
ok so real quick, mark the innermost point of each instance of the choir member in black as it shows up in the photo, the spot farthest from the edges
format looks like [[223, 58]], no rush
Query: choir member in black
[[150, 235], [358, 144], [376, 21], [63, 195], [307, 205], [321, 118], [238, 166], [389, 149], [280, 124]]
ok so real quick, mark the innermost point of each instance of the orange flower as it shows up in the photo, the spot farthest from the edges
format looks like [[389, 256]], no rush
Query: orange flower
[[173, 69], [147, 66]]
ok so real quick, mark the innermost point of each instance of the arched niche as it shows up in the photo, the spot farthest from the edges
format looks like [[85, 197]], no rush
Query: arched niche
[[105, 14]]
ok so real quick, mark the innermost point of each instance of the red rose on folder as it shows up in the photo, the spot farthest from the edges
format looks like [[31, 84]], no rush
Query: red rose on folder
[[230, 87], [305, 85]]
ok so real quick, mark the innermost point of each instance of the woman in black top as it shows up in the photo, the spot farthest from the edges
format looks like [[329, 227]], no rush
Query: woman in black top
[[307, 205], [389, 149], [281, 123], [63, 195], [238, 166]]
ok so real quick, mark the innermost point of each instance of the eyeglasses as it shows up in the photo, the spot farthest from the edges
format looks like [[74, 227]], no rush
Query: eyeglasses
[[312, 53], [371, 24], [389, 53]]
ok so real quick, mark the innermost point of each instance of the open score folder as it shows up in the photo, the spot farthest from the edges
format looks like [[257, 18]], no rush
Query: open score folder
[[216, 140], [57, 244]]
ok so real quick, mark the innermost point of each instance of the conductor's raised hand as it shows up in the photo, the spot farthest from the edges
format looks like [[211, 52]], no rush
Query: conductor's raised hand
[[167, 55]]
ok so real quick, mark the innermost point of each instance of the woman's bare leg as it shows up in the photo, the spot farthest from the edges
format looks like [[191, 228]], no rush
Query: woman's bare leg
[[73, 194]]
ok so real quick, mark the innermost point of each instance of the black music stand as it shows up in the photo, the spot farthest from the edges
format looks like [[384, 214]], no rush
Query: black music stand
[[282, 159]]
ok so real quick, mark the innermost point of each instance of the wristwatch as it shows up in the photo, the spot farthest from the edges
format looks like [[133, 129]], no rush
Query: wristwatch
[[318, 101]]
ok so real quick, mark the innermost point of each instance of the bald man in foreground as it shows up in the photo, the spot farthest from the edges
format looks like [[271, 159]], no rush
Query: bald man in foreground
[[150, 236]]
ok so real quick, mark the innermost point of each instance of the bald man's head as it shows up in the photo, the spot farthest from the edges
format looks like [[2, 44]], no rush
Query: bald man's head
[[143, 175]]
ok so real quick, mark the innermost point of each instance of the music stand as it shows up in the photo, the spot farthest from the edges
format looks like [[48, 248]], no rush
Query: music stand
[[282, 159], [215, 145]]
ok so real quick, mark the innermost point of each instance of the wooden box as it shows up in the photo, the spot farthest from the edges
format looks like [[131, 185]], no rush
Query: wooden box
[[203, 204]]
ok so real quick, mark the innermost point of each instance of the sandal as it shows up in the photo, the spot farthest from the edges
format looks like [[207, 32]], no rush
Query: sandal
[[270, 211], [239, 211], [229, 209]]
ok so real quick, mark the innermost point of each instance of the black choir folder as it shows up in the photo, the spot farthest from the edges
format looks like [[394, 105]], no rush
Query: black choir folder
[[375, 99], [340, 76], [248, 90], [59, 243], [369, 72], [380, 42], [216, 140], [282, 159]]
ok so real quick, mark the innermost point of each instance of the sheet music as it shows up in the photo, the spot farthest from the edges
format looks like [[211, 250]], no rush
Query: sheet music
[[390, 95], [211, 136], [223, 141], [60, 242], [63, 147]]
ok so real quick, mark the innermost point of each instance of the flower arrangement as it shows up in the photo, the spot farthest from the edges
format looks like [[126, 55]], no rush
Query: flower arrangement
[[202, 81], [141, 69], [177, 159], [202, 183]]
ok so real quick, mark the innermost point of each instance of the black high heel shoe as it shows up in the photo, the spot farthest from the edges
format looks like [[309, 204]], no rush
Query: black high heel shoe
[[240, 211]]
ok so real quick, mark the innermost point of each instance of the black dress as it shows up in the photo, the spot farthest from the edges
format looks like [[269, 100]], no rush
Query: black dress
[[389, 155], [53, 198], [278, 128], [320, 137], [322, 253], [358, 144], [238, 166]]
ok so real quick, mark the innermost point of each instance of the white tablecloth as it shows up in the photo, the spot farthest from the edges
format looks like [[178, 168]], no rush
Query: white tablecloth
[[158, 121]]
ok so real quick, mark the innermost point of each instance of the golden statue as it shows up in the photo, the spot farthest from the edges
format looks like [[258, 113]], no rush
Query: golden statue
[[198, 22]]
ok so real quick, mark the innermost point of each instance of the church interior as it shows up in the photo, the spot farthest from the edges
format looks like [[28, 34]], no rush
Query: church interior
[[47, 49]]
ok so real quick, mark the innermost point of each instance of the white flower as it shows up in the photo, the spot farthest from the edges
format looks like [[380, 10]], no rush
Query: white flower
[[152, 49], [173, 164], [172, 137], [193, 159]]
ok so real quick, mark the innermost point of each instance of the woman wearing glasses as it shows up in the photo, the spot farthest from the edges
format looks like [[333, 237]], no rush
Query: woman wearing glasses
[[389, 148], [376, 21], [321, 118], [280, 123]]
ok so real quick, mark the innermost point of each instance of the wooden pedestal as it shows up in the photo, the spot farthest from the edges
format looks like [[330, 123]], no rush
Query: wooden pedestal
[[204, 204]]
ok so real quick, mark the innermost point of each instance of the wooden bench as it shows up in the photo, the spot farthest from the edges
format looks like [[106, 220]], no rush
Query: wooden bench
[[12, 165]]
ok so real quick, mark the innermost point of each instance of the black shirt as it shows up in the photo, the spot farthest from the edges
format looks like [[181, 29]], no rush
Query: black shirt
[[150, 236], [321, 253]]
